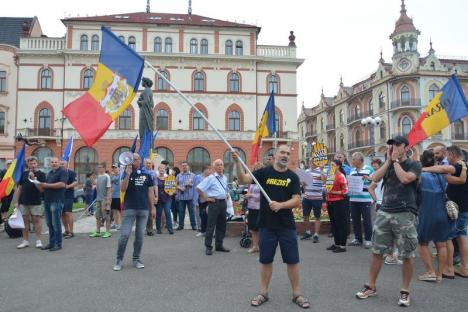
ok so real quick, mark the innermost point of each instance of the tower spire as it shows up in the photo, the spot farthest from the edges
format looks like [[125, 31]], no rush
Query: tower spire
[[148, 7], [190, 7], [381, 56], [431, 50], [403, 7]]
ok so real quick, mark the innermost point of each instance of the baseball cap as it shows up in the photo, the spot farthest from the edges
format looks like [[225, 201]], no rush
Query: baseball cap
[[399, 139], [115, 165]]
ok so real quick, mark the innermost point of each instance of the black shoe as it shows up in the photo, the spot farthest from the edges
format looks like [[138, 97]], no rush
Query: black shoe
[[315, 238], [55, 248], [194, 228], [159, 232], [47, 247], [355, 243], [171, 232], [209, 251], [330, 235], [339, 249], [332, 247], [179, 228], [306, 236], [150, 233], [222, 249]]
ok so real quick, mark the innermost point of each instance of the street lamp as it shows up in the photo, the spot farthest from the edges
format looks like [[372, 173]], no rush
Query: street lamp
[[369, 121]]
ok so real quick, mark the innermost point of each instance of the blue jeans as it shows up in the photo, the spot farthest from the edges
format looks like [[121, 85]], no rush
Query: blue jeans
[[53, 214], [189, 205], [166, 206], [363, 209], [130, 215], [89, 199]]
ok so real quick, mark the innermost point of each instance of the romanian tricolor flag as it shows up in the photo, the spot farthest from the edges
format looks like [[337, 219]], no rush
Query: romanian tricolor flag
[[267, 127], [446, 107], [12, 175], [115, 85]]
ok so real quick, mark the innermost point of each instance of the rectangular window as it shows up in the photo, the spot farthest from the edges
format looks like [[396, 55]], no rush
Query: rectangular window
[[3, 81], [2, 122]]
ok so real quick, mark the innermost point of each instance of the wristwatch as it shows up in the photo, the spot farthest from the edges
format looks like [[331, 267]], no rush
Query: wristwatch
[[396, 161]]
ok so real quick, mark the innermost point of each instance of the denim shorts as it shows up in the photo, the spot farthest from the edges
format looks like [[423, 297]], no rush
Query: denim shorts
[[67, 205], [287, 239], [461, 225], [309, 204]]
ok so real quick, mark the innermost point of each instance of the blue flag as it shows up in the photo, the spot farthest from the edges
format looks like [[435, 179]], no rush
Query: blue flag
[[68, 149], [145, 145]]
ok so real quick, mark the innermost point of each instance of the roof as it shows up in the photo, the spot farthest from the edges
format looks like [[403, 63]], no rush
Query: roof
[[12, 29], [160, 19], [404, 23]]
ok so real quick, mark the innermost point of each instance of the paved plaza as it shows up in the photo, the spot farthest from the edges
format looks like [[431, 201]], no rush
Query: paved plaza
[[179, 277]]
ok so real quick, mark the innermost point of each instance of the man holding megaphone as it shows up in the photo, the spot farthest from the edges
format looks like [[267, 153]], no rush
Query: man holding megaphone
[[139, 202]]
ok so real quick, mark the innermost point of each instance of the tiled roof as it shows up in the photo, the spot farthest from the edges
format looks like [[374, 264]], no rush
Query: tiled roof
[[404, 23], [11, 29], [160, 19]]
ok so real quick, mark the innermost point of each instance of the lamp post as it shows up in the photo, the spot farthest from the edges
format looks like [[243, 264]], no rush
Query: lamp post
[[371, 123]]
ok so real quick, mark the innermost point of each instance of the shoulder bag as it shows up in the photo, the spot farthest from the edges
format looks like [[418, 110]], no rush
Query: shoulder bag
[[450, 205]]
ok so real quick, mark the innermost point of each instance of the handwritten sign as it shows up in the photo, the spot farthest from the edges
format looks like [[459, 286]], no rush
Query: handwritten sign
[[319, 154], [355, 184]]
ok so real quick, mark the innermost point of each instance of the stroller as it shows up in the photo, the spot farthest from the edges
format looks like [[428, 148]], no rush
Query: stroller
[[246, 237]]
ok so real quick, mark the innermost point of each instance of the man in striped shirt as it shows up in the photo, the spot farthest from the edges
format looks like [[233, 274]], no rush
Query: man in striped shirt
[[360, 202], [312, 200], [185, 196]]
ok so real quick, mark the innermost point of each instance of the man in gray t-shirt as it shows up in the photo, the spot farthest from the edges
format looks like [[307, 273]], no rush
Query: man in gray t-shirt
[[103, 201]]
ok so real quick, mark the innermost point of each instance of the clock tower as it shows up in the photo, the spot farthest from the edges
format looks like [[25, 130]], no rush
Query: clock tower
[[405, 44]]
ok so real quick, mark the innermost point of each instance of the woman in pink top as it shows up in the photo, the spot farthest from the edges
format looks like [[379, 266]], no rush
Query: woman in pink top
[[253, 205], [339, 210]]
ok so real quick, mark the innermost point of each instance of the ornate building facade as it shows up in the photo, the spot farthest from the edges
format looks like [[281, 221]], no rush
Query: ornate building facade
[[363, 116], [217, 64]]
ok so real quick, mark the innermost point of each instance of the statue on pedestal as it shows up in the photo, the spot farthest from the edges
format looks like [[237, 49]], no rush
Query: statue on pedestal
[[146, 105]]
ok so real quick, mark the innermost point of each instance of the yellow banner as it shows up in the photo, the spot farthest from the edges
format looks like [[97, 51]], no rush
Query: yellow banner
[[319, 154]]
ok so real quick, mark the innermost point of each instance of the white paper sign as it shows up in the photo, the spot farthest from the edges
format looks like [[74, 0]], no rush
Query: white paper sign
[[355, 184]]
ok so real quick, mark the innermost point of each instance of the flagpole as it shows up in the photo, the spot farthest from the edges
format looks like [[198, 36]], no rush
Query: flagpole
[[161, 76]]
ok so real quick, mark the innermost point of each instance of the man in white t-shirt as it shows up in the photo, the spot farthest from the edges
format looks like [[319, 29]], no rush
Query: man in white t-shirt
[[103, 202]]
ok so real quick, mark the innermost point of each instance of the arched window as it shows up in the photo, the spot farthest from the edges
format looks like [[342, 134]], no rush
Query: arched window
[[432, 66], [199, 81], [239, 48], [229, 165], [84, 43], [234, 121], [3, 81], [357, 137], [357, 111], [234, 82], [370, 108], [46, 79], [132, 42], [197, 158], [273, 84], [404, 95], [166, 154], [117, 152], [228, 47], [459, 128], [122, 38], [2, 122], [381, 100], [43, 155], [193, 46], [341, 117], [157, 45], [322, 125], [204, 46], [162, 120], [342, 141], [198, 123], [125, 120], [88, 77], [95, 43], [168, 45], [383, 132], [406, 125], [163, 85], [433, 90], [268, 152], [44, 122], [86, 161]]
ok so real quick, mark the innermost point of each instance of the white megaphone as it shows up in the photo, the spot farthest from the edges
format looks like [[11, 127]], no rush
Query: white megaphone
[[126, 158]]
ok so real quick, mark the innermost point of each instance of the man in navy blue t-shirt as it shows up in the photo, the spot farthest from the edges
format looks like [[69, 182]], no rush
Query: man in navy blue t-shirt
[[138, 203]]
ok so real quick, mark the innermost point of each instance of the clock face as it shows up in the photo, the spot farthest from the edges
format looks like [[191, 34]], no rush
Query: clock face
[[404, 64]]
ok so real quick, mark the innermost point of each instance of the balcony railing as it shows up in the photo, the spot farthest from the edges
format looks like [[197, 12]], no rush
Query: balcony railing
[[361, 143], [330, 126], [405, 103], [353, 118], [460, 136], [276, 51], [40, 133], [42, 43], [311, 134]]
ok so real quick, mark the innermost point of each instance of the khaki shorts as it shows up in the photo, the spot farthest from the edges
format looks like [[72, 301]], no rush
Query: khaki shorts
[[399, 228], [34, 210], [101, 212]]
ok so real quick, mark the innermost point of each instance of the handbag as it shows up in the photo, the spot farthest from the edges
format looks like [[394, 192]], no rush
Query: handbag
[[450, 205], [16, 220]]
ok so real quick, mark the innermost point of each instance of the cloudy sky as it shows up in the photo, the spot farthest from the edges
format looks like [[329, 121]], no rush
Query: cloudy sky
[[335, 37]]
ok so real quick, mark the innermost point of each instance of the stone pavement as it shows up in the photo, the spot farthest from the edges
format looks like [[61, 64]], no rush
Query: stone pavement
[[179, 277]]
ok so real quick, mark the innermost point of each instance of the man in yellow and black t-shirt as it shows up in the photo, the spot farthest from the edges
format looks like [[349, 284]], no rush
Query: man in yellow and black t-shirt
[[276, 221]]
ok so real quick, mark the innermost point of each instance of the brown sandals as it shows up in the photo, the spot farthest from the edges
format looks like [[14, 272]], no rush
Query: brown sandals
[[301, 301], [258, 300]]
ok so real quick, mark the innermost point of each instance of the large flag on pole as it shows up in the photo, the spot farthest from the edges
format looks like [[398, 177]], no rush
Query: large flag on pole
[[68, 149], [446, 107], [267, 127], [115, 85], [13, 174]]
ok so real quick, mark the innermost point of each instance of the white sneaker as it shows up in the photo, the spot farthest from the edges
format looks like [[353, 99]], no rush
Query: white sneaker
[[404, 300], [24, 244], [392, 260], [138, 264], [118, 265], [200, 234], [367, 244], [38, 244]]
